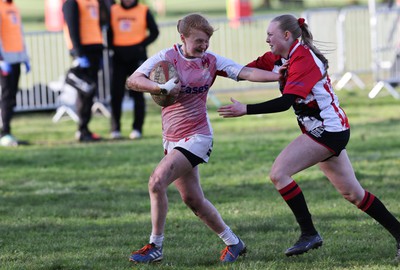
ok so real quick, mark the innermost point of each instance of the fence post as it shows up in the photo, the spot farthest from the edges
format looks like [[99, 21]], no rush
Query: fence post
[[346, 76]]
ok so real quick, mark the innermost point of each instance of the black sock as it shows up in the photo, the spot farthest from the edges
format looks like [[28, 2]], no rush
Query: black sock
[[294, 197], [377, 210]]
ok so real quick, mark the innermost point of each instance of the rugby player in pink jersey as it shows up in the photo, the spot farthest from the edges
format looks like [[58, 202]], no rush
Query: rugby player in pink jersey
[[187, 133], [325, 129]]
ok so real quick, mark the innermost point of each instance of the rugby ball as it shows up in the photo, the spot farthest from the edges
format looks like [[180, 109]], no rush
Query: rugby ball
[[162, 72]]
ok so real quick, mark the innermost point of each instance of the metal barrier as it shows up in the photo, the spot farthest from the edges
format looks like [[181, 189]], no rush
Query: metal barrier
[[344, 36], [347, 31], [50, 60], [385, 26], [353, 31]]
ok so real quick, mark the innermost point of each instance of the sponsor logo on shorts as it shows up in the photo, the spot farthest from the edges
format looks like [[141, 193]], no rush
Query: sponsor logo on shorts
[[317, 132]]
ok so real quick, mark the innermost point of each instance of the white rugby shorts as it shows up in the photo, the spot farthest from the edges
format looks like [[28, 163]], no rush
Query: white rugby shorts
[[198, 144]]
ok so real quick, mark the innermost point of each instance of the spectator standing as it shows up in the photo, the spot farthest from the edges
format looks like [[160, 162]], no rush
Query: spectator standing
[[85, 43], [12, 54], [132, 29]]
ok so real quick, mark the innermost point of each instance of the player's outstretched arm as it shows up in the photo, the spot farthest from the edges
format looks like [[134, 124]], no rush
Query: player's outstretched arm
[[258, 75]]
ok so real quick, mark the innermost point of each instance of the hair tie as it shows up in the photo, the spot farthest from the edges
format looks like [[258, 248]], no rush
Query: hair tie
[[301, 22]]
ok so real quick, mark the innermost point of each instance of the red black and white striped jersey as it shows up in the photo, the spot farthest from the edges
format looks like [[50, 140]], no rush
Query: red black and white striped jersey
[[317, 104]]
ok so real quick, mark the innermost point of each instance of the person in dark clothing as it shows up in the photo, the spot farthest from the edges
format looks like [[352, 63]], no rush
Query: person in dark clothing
[[12, 54], [105, 6], [132, 29], [85, 43]]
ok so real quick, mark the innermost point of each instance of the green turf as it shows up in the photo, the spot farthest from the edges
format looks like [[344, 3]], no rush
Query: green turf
[[65, 205]]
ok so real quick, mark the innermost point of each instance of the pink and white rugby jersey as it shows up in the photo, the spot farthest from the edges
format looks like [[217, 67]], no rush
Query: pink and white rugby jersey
[[317, 104], [188, 115]]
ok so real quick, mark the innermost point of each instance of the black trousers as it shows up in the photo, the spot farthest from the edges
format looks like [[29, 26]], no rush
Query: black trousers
[[84, 102], [9, 89], [121, 71]]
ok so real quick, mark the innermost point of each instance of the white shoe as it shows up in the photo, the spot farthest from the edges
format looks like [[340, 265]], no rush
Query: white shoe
[[115, 135], [8, 140], [135, 134]]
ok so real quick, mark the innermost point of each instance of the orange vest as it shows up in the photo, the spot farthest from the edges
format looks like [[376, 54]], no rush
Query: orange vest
[[129, 25], [89, 24], [10, 28]]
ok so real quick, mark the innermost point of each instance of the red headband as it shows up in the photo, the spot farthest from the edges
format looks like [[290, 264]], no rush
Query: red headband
[[301, 22]]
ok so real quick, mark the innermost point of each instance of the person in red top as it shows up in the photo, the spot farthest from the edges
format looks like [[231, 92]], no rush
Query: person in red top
[[325, 129], [12, 54]]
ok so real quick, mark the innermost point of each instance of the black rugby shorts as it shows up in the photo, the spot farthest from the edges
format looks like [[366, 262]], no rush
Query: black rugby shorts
[[333, 141]]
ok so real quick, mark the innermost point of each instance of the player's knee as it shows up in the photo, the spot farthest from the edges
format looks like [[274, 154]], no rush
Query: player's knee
[[276, 175], [155, 184]]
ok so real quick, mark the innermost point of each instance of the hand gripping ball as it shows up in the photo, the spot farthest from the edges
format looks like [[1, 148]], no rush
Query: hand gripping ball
[[161, 73]]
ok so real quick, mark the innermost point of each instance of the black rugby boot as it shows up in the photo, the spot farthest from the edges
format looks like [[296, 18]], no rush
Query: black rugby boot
[[304, 244]]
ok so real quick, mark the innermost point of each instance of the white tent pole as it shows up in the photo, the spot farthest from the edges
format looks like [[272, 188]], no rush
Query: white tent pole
[[373, 26]]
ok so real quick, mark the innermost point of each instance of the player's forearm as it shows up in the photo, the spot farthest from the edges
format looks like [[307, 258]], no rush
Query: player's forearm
[[279, 104], [140, 83], [258, 75]]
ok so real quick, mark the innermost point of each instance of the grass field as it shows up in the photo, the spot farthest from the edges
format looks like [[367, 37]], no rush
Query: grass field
[[65, 205]]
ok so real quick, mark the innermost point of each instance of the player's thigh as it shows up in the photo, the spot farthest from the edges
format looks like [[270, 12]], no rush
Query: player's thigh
[[171, 167], [300, 154], [341, 174]]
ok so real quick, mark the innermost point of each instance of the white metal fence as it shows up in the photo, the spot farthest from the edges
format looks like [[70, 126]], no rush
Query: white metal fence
[[385, 28], [344, 35]]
